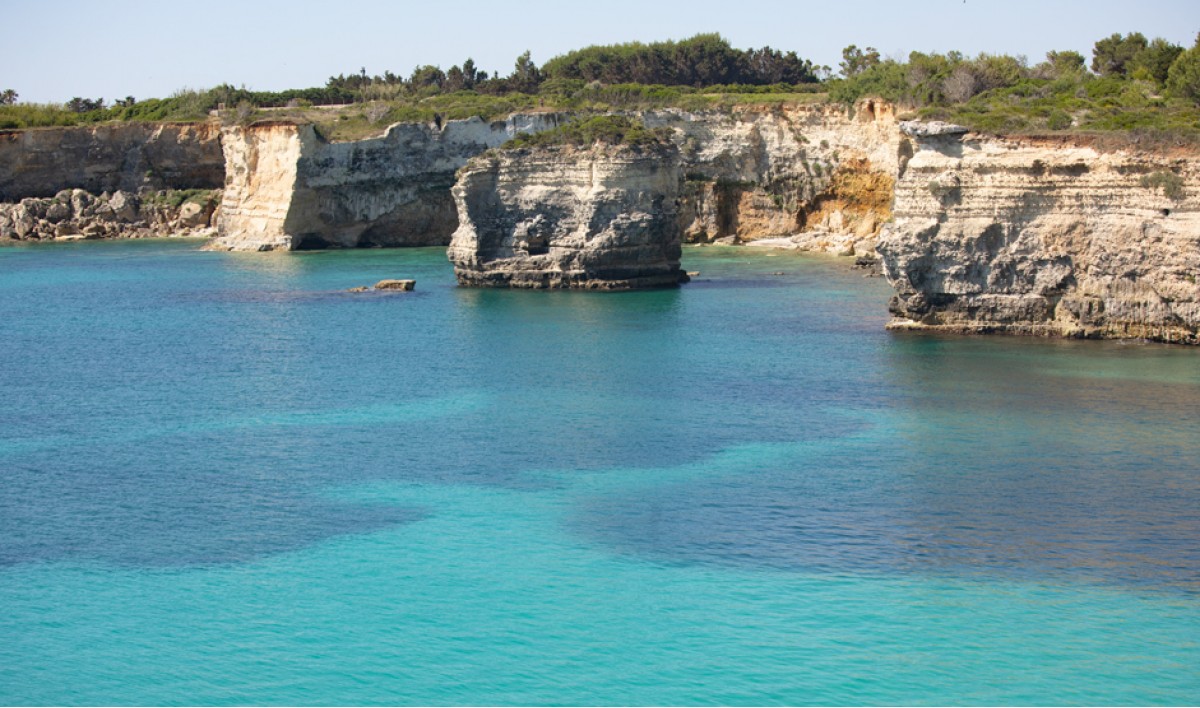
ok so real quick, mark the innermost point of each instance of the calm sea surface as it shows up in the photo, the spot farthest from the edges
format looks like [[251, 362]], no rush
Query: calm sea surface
[[225, 480]]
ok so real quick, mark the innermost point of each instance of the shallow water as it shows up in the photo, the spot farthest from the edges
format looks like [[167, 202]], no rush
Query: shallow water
[[226, 480]]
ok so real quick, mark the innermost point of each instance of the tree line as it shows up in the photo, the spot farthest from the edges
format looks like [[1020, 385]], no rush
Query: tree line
[[952, 78], [703, 62]]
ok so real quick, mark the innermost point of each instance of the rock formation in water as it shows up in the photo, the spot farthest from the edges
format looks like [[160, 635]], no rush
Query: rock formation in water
[[1041, 236], [289, 189], [73, 215], [131, 157], [601, 217], [1056, 236]]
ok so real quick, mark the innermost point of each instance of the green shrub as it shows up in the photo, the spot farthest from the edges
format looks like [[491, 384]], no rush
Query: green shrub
[[1170, 183], [176, 198], [609, 130], [1058, 120]]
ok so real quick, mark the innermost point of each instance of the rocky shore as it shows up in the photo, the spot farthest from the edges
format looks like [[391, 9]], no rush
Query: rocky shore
[[74, 214], [1055, 236]]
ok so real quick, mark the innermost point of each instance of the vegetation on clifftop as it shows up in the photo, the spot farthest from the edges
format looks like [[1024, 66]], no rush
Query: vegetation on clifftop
[[1132, 86], [703, 60], [608, 130]]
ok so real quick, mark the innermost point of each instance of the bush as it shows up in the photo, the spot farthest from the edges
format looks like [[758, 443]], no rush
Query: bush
[[609, 130], [1170, 183], [1058, 120]]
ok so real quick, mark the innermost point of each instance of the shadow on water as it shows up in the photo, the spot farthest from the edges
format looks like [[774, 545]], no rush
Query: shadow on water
[[168, 409], [987, 457]]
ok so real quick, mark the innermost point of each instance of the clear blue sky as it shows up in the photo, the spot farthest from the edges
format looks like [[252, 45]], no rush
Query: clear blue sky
[[110, 49]]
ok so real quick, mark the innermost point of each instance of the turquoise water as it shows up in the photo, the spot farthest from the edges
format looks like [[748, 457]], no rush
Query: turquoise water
[[228, 481]]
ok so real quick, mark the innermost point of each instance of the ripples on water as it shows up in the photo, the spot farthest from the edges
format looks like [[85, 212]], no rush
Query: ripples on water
[[172, 410]]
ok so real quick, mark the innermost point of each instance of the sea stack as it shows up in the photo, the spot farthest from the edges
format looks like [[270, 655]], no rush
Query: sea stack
[[591, 206]]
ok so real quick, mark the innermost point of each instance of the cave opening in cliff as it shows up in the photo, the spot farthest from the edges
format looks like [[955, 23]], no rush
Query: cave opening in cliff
[[310, 242]]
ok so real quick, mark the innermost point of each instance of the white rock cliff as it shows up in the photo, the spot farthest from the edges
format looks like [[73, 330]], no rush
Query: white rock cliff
[[287, 188], [1048, 237], [598, 218]]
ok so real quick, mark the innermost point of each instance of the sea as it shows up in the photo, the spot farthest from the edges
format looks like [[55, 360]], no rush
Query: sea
[[226, 480]]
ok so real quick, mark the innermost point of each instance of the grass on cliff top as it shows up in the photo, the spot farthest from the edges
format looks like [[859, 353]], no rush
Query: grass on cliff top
[[363, 120], [355, 121], [608, 130]]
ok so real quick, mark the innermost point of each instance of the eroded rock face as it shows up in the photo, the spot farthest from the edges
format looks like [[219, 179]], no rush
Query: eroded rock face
[[1037, 237], [757, 172], [750, 173], [133, 157], [288, 189], [601, 218]]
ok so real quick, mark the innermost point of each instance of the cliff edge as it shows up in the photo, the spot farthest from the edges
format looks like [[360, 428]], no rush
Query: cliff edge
[[1046, 237]]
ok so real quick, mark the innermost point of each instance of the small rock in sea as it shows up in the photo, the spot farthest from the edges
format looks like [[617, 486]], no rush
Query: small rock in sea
[[395, 285], [359, 289]]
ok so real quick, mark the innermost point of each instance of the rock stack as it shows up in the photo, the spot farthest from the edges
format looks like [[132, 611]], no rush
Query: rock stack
[[602, 217]]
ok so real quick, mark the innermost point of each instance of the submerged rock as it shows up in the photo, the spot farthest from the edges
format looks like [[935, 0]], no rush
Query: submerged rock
[[602, 218]]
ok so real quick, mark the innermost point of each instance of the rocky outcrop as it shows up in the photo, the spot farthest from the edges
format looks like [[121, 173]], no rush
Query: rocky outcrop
[[602, 217], [1044, 237], [289, 189], [132, 157], [74, 214]]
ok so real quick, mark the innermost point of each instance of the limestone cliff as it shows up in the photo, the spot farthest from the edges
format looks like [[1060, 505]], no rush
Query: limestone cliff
[[757, 172], [1044, 237], [751, 172], [41, 162], [602, 217], [289, 189]]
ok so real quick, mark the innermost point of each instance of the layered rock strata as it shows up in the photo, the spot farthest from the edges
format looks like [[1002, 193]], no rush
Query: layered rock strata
[[74, 214], [1031, 236], [132, 157], [751, 172], [762, 172], [289, 189], [600, 218]]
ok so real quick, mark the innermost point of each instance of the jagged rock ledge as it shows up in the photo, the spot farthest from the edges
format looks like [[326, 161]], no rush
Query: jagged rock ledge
[[596, 218]]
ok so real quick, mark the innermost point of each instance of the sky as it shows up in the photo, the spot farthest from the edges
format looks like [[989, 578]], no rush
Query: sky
[[51, 52]]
